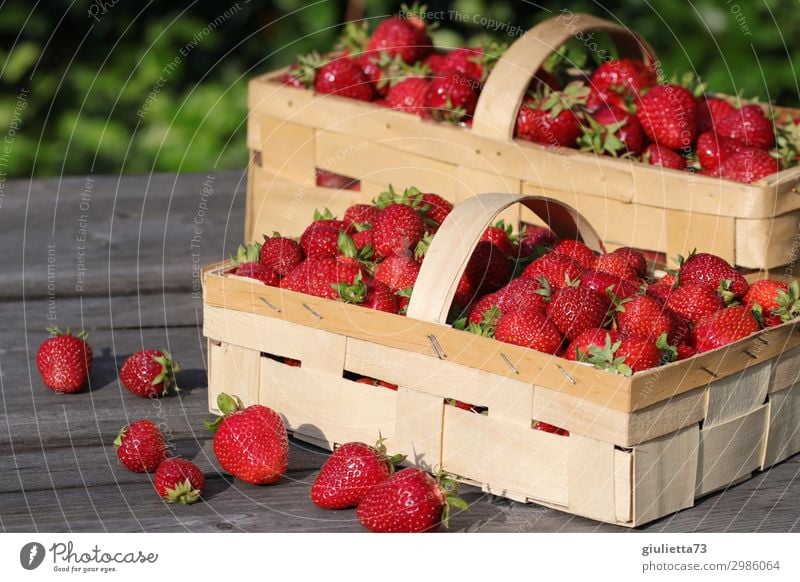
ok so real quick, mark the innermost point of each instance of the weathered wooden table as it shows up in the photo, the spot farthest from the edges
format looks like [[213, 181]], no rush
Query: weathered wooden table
[[119, 257]]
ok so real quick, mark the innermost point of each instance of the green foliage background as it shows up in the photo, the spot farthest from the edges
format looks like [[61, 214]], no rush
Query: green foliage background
[[87, 77]]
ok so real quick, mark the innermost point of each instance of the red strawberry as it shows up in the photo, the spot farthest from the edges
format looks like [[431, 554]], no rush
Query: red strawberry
[[529, 328], [559, 270], [776, 302], [576, 309], [622, 265], [712, 271], [724, 327], [397, 231], [714, 149], [382, 70], [643, 317], [149, 373], [349, 473], [694, 300], [451, 97], [438, 207], [280, 254], [247, 265], [179, 481], [550, 119], [544, 427], [477, 312], [577, 251], [405, 37], [364, 238], [140, 446], [371, 294], [602, 282], [684, 351], [374, 382], [328, 179], [65, 361], [521, 294], [659, 292], [749, 166], [409, 501], [748, 125], [294, 77], [316, 275], [499, 236], [397, 273], [591, 337], [624, 77], [250, 443], [361, 214], [320, 241], [409, 95], [343, 77], [668, 114], [613, 131], [657, 155], [638, 353], [487, 271], [636, 260], [467, 61], [435, 63], [710, 111]]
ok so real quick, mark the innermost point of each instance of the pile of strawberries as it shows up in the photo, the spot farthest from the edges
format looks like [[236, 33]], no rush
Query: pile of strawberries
[[621, 108]]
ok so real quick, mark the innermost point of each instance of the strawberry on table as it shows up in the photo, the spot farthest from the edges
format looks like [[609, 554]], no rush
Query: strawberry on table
[[724, 327], [350, 472], [179, 481], [149, 373], [250, 443], [775, 302], [64, 360], [409, 501], [140, 446]]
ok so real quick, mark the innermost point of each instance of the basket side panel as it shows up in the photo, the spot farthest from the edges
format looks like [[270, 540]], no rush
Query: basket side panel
[[234, 370], [786, 370], [767, 243], [783, 438], [737, 394], [591, 474], [287, 149], [418, 419]]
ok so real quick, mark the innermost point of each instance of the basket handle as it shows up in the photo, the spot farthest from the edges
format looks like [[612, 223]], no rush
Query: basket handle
[[502, 94], [459, 234]]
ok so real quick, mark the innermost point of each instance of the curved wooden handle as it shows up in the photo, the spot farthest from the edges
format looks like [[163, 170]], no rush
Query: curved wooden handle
[[502, 94], [458, 236]]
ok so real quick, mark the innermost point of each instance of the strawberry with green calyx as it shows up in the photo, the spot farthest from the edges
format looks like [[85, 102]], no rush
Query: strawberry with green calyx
[[452, 97], [303, 72], [773, 302], [280, 254], [64, 360], [558, 269], [397, 272], [405, 36], [250, 443], [612, 131], [179, 481], [361, 257], [350, 472], [630, 354], [150, 373], [410, 501], [787, 138], [403, 297], [353, 38], [724, 327], [597, 337], [711, 270], [371, 294], [247, 264], [501, 235], [485, 327], [397, 231], [343, 77], [140, 446], [550, 118]]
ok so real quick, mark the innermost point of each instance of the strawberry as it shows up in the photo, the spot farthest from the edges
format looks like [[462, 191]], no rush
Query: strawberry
[[179, 481], [291, 362], [247, 264], [714, 149], [487, 271], [403, 37], [343, 77], [712, 271], [472, 62], [643, 316], [320, 241], [544, 427], [280, 254], [710, 111], [409, 501], [382, 70], [577, 251], [559, 270], [451, 96], [250, 443], [438, 207], [374, 382], [328, 179], [624, 77], [363, 237], [606, 283], [749, 166], [612, 130], [694, 300], [349, 473], [317, 275], [748, 125], [657, 155], [550, 119], [684, 351], [774, 301], [397, 231], [500, 236], [140, 446], [579, 347], [723, 327], [435, 63], [638, 353], [635, 260], [529, 328], [629, 354], [659, 292], [149, 373], [521, 294], [535, 236], [65, 360], [361, 214], [397, 273], [371, 294], [668, 114], [576, 309], [622, 265], [409, 95]]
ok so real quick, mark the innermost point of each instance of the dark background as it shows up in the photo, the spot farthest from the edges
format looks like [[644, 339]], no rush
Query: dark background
[[87, 74]]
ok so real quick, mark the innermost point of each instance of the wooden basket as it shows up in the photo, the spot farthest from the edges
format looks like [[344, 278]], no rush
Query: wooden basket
[[293, 132], [639, 447]]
